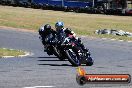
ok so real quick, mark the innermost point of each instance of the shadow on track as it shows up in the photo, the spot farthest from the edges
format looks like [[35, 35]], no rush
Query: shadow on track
[[56, 64], [42, 57], [46, 57], [48, 60], [52, 60]]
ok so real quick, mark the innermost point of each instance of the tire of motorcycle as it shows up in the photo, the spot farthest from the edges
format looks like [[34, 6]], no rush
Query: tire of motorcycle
[[56, 53], [72, 57], [89, 61]]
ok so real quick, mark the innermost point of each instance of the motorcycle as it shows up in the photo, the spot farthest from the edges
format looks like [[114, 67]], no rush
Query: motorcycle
[[67, 48], [52, 46], [71, 50]]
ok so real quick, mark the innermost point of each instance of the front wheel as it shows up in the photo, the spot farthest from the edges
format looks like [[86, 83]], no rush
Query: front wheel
[[89, 61], [72, 57]]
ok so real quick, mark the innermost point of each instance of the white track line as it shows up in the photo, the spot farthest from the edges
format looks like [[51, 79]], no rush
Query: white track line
[[130, 41], [116, 40], [113, 39], [7, 56], [26, 54]]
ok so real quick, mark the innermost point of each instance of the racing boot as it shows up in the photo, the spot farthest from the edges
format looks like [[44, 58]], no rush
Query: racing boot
[[49, 52], [45, 48]]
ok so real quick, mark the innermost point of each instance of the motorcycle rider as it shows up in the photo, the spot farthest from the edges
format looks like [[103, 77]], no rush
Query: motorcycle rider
[[60, 28], [44, 31]]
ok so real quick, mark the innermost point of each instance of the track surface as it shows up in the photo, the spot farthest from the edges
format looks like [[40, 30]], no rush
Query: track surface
[[43, 70]]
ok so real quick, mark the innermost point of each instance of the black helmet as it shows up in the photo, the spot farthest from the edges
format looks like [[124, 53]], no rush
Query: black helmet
[[44, 29], [47, 27]]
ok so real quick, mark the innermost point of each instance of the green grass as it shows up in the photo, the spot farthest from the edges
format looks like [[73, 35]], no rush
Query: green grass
[[130, 4], [8, 52], [81, 23]]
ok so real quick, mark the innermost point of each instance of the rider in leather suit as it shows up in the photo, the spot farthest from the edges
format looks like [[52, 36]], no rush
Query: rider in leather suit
[[60, 28], [44, 31]]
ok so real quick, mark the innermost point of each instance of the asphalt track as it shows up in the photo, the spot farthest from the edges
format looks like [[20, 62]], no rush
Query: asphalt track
[[41, 70]]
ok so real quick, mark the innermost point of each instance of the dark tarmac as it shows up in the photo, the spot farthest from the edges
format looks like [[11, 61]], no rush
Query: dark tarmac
[[42, 71]]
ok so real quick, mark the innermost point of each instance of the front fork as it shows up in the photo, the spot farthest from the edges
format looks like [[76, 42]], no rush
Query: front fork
[[84, 56]]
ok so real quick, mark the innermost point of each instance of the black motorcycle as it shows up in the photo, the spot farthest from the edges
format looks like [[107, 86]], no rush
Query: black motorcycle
[[52, 47], [67, 48], [71, 50]]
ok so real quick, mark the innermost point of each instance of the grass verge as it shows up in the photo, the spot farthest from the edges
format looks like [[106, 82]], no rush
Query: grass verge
[[81, 23], [9, 52]]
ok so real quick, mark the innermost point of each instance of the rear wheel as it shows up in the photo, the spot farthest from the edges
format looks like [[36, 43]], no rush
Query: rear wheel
[[72, 57], [58, 54]]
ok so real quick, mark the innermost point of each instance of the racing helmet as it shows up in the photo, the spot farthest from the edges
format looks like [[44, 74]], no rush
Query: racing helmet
[[59, 25], [45, 28]]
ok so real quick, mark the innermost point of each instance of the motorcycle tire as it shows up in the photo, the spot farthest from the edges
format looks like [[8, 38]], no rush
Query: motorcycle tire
[[56, 53], [72, 57], [89, 61]]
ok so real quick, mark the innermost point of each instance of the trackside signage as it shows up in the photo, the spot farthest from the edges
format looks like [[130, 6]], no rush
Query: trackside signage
[[82, 78]]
